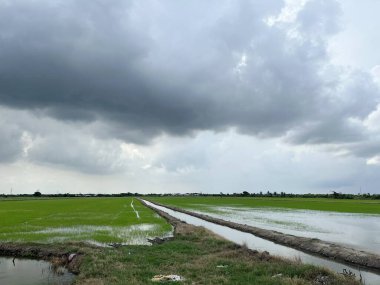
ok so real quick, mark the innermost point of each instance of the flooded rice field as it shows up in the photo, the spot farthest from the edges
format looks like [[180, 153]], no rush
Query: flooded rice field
[[32, 272], [95, 221], [260, 244], [361, 231], [130, 235]]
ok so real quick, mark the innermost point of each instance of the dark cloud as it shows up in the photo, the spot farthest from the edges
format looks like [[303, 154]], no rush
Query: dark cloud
[[78, 152], [140, 69], [365, 149], [332, 130], [39, 139], [11, 146]]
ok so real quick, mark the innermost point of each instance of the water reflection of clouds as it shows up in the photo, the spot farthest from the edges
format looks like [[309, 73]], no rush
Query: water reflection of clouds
[[31, 272], [128, 235], [356, 230]]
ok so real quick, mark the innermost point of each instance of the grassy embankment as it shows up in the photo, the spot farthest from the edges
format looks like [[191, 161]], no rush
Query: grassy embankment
[[102, 220], [320, 204], [194, 253]]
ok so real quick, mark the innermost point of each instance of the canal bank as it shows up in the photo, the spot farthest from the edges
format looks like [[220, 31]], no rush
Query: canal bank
[[257, 243]]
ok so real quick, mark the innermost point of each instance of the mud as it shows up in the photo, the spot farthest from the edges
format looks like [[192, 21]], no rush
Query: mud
[[309, 245]]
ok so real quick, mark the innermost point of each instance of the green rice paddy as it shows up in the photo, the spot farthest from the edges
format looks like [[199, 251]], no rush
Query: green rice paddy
[[320, 204], [93, 220], [194, 253]]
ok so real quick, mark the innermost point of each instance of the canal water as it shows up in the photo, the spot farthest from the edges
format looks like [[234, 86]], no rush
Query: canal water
[[360, 231], [260, 244], [32, 272]]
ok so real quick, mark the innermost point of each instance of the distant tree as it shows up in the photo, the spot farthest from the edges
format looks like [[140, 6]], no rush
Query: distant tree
[[245, 193], [37, 194], [335, 195]]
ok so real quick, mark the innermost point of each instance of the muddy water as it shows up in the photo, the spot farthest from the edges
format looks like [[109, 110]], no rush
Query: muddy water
[[360, 231], [31, 272], [260, 244]]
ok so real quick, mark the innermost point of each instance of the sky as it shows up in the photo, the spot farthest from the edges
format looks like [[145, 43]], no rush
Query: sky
[[170, 96]]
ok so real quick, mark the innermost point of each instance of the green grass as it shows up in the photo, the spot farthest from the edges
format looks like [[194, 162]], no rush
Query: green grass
[[321, 204], [195, 254], [100, 220]]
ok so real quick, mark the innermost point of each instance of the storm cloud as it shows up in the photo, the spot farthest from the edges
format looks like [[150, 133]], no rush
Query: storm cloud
[[10, 142], [132, 71]]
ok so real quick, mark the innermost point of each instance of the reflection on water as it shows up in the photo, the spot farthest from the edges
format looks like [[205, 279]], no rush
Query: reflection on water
[[31, 272], [360, 231], [257, 243], [126, 235]]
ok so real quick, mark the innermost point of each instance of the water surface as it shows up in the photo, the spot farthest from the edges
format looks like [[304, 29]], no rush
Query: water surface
[[361, 231], [31, 272]]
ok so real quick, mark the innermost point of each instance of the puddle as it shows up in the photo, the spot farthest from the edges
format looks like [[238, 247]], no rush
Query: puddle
[[260, 244], [31, 272], [129, 235], [359, 231], [94, 229]]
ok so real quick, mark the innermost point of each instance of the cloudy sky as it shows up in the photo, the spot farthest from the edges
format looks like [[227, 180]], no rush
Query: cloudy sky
[[189, 96]]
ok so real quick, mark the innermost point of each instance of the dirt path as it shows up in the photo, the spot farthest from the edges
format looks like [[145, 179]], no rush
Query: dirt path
[[308, 245]]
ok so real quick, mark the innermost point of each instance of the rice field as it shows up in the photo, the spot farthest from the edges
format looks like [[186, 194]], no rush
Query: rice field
[[325, 219], [194, 253], [93, 220], [318, 204]]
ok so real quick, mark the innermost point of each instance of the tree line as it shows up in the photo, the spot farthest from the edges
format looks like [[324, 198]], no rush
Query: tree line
[[332, 195]]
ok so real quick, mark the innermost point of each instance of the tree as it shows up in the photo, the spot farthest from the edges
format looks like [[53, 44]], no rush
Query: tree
[[37, 194]]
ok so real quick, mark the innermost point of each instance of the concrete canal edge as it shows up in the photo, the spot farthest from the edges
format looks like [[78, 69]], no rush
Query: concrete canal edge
[[314, 246]]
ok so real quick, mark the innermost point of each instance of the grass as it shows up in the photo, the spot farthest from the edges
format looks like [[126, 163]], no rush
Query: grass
[[195, 254], [320, 204], [99, 220]]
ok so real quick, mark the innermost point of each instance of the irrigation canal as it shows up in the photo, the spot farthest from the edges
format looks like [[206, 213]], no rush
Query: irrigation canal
[[256, 243]]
